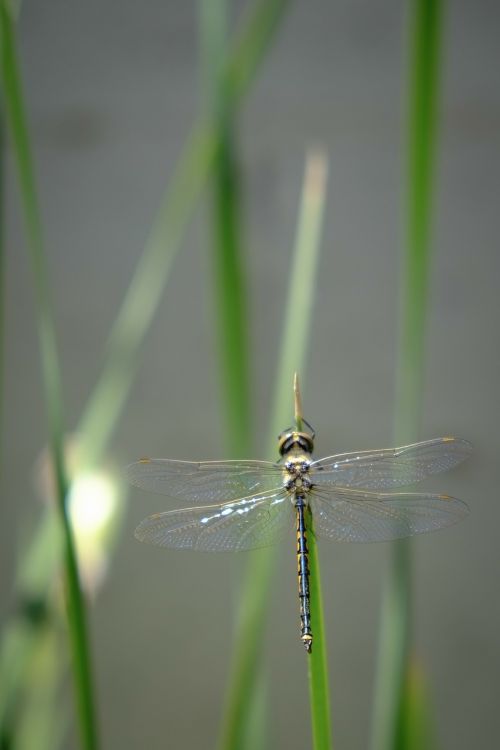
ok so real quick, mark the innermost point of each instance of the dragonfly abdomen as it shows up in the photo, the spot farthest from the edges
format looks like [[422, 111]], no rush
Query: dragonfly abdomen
[[303, 573]]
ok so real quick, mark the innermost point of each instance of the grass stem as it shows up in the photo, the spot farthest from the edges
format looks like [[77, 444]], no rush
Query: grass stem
[[319, 692], [244, 678], [230, 292], [51, 376], [2, 272], [392, 700]]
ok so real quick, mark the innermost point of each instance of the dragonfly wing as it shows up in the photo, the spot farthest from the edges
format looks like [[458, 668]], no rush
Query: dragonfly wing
[[390, 467], [240, 525], [206, 482], [355, 516]]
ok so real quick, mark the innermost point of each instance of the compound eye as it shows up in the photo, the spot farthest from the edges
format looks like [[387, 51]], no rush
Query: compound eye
[[305, 466], [290, 467]]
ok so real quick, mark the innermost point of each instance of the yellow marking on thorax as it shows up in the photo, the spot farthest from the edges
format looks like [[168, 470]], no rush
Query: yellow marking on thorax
[[293, 477]]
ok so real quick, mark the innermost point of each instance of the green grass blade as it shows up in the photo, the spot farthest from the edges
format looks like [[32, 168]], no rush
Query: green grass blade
[[144, 294], [391, 699], [231, 297], [251, 44], [2, 272], [255, 589], [416, 729], [51, 378], [24, 632], [422, 123], [245, 667], [319, 693], [300, 300], [42, 727], [230, 292]]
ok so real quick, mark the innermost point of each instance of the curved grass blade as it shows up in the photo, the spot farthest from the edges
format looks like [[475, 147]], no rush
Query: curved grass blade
[[247, 654], [392, 699], [230, 292], [416, 730], [51, 376], [2, 271], [319, 692]]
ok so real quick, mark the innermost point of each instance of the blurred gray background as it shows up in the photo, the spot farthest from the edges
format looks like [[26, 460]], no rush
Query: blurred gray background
[[111, 90]]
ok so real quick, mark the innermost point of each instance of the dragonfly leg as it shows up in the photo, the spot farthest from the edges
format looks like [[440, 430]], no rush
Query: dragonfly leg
[[303, 574]]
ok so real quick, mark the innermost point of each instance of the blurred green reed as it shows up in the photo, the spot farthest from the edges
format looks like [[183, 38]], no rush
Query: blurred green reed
[[298, 324], [244, 726], [51, 377], [245, 678], [46, 673], [417, 730], [399, 712], [38, 566], [317, 662], [2, 272], [229, 289]]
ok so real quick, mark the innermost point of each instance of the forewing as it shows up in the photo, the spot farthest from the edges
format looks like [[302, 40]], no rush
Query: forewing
[[241, 525], [206, 482], [390, 467], [353, 516]]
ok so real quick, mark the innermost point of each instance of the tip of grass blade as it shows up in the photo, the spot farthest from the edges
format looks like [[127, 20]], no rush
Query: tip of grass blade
[[297, 402]]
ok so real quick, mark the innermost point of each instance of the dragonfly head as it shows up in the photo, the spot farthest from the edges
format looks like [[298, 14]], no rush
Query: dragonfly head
[[291, 439]]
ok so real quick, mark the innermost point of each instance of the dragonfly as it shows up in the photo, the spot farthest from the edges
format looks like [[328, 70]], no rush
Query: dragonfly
[[231, 506]]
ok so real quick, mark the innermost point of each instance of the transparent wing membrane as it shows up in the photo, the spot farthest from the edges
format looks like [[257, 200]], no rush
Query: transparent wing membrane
[[244, 505], [390, 467], [356, 516], [205, 482], [240, 525]]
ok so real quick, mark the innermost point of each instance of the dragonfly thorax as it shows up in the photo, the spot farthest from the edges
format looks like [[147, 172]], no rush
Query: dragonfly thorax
[[296, 478]]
